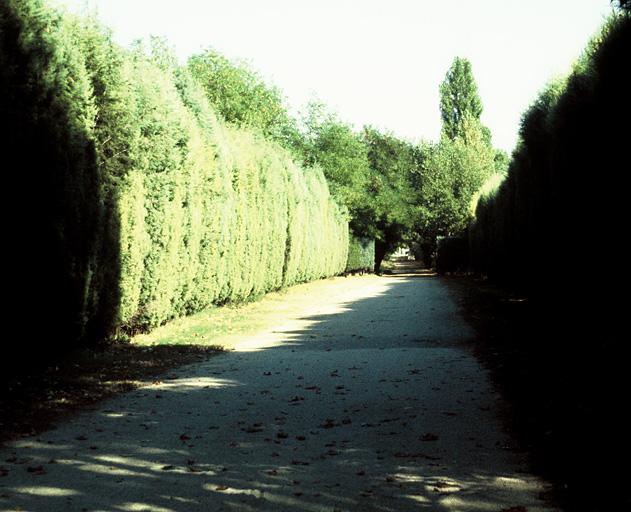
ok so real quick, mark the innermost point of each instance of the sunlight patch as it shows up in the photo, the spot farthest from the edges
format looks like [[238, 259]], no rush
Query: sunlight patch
[[143, 507], [49, 492], [187, 384], [112, 470]]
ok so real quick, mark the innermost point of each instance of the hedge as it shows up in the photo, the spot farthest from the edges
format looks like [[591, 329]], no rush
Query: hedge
[[554, 232], [361, 254], [133, 202]]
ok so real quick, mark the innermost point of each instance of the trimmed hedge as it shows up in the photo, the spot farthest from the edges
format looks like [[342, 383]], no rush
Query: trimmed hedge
[[361, 254], [142, 205], [558, 206], [553, 231]]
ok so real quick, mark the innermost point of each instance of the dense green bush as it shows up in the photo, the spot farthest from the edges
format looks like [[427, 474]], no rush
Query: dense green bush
[[361, 254], [142, 205]]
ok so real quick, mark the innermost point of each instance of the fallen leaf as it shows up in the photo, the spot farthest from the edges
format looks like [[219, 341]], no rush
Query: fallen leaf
[[257, 427], [36, 470]]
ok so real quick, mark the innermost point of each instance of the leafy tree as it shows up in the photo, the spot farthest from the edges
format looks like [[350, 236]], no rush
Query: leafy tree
[[242, 97], [453, 172], [458, 165], [395, 166], [459, 98], [332, 145], [501, 159]]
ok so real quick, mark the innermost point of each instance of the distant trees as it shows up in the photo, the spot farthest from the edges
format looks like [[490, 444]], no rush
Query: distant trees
[[371, 173], [460, 103], [394, 169], [455, 168]]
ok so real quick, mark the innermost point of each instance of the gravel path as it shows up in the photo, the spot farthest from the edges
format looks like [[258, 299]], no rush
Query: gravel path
[[362, 399]]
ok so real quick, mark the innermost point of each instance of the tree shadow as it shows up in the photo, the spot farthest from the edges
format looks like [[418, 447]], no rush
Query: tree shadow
[[367, 405]]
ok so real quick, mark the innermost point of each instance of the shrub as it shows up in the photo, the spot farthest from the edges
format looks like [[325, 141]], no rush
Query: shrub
[[361, 254]]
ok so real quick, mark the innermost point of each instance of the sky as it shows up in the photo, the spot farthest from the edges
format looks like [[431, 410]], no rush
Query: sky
[[377, 62]]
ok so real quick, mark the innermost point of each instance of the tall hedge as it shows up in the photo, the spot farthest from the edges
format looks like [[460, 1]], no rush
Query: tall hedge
[[555, 230], [133, 203], [560, 206]]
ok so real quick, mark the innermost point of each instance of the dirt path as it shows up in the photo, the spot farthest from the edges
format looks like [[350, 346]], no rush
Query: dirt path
[[360, 397]]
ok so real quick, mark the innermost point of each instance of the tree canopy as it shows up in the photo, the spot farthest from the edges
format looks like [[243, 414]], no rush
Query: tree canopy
[[459, 98]]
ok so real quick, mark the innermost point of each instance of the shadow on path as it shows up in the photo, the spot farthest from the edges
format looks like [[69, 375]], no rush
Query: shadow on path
[[366, 405]]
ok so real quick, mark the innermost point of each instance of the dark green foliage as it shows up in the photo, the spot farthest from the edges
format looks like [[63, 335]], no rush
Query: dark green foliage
[[133, 203], [55, 193], [361, 254], [394, 170], [373, 174], [452, 254], [551, 231]]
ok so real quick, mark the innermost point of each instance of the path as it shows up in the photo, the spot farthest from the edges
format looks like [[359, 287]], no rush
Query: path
[[367, 401]]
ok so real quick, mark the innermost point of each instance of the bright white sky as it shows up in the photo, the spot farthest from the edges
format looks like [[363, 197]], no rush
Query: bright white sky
[[378, 62]]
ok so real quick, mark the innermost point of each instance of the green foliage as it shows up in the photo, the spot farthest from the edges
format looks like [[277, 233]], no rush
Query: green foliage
[[453, 172], [143, 205], [372, 174], [459, 99], [242, 97], [361, 254], [332, 144], [395, 169]]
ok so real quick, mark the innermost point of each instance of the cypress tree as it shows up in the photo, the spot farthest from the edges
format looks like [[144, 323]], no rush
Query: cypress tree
[[459, 98]]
